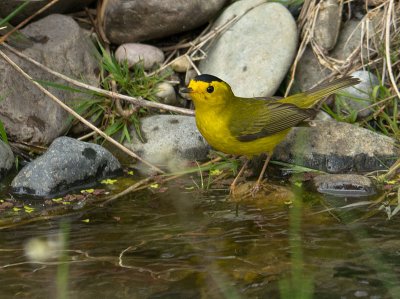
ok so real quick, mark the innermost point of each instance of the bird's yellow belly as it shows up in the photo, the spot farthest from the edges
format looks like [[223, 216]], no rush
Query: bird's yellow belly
[[217, 134]]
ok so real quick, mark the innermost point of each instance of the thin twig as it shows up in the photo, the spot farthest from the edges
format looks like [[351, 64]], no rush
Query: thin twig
[[76, 115], [139, 101], [387, 48]]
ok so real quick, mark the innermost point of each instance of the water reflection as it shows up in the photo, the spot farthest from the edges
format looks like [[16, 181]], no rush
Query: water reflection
[[194, 245]]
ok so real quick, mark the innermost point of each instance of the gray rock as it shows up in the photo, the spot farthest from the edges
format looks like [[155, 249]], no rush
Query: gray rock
[[358, 97], [374, 3], [327, 24], [336, 147], [62, 6], [309, 71], [27, 113], [349, 39], [6, 158], [137, 20], [255, 53], [170, 141], [149, 55], [344, 185], [68, 164]]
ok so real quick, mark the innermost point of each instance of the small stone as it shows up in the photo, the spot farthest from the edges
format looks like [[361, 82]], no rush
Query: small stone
[[181, 65], [134, 53], [327, 24], [360, 294], [358, 97], [322, 115], [254, 54], [344, 185], [66, 165], [166, 93]]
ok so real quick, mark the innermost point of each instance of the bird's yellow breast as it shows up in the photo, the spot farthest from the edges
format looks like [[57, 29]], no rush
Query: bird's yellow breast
[[213, 125]]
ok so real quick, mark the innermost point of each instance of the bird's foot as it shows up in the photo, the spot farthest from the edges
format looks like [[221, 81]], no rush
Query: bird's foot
[[255, 189], [232, 190]]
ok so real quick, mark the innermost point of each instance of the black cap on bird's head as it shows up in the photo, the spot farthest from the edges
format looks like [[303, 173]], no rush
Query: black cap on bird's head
[[200, 78], [207, 78]]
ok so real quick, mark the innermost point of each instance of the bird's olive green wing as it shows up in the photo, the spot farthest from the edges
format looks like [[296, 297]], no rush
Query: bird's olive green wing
[[259, 119]]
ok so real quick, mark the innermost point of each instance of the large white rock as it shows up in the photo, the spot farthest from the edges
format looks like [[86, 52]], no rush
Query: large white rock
[[254, 54]]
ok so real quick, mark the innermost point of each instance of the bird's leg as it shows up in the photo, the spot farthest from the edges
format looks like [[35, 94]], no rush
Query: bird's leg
[[257, 185], [233, 185]]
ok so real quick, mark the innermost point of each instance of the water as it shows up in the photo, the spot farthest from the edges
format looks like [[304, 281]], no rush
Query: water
[[190, 244]]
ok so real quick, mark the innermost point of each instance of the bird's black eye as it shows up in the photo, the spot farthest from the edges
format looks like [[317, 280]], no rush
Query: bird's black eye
[[210, 89]]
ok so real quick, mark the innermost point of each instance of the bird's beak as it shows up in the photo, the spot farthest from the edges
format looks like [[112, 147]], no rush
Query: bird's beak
[[185, 90]]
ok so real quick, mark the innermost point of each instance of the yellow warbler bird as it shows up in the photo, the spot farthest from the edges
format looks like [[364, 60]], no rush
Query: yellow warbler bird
[[251, 126]]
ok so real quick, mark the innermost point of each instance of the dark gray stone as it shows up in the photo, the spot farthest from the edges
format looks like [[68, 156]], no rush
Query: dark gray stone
[[27, 113], [344, 185], [62, 6], [138, 20], [6, 158], [336, 147], [66, 165]]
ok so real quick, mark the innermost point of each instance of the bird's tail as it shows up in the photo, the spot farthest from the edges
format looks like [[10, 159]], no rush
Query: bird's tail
[[309, 98]]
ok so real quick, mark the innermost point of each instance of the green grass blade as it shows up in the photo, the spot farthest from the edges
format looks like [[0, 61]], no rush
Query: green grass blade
[[3, 134], [14, 13]]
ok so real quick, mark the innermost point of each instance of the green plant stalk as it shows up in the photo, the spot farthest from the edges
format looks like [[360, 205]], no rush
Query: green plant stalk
[[63, 267], [299, 285], [3, 134], [14, 13]]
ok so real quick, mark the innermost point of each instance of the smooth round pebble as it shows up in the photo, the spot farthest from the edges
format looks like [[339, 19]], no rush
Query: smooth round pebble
[[133, 53], [166, 93], [181, 65], [358, 97], [327, 24]]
